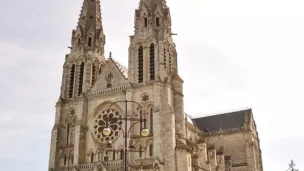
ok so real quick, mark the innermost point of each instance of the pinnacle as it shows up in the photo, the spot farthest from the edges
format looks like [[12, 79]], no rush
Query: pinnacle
[[90, 14]]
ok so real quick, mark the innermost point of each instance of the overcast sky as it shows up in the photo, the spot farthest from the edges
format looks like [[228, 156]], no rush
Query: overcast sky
[[232, 54]]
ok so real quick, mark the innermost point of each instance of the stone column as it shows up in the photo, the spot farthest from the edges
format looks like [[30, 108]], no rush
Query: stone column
[[168, 132], [179, 106]]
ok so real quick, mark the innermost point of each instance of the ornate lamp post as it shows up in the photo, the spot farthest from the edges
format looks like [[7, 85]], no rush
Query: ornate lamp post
[[144, 132]]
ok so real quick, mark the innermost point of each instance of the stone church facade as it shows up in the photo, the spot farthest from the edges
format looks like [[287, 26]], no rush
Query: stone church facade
[[91, 82]]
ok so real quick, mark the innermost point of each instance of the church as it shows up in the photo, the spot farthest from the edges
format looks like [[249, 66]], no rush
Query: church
[[109, 117]]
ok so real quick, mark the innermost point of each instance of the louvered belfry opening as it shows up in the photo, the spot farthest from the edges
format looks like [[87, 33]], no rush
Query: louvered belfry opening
[[140, 64], [80, 81], [152, 62], [93, 74], [71, 82]]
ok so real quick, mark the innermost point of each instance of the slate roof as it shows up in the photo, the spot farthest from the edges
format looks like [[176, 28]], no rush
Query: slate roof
[[222, 121], [120, 67]]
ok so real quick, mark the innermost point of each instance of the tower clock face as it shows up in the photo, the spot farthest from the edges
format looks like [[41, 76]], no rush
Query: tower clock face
[[113, 117]]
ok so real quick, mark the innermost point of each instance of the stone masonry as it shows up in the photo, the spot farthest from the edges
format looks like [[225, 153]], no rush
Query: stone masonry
[[91, 82]]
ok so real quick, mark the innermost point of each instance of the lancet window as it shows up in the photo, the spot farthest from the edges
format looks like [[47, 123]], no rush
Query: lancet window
[[121, 154], [92, 157], [71, 82], [90, 41], [140, 64], [94, 68], [152, 62], [114, 155], [146, 22], [170, 61], [151, 120], [165, 58], [157, 22], [140, 151], [141, 119], [151, 150], [80, 79]]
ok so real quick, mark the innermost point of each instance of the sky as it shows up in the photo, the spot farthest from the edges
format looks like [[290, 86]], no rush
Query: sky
[[231, 54]]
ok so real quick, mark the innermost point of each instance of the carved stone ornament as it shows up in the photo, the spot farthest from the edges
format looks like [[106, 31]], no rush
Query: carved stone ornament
[[99, 122]]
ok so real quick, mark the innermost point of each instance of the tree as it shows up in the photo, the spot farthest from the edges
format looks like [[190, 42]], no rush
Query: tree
[[292, 166]]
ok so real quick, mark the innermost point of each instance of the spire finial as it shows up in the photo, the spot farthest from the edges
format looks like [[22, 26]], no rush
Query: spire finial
[[89, 35]]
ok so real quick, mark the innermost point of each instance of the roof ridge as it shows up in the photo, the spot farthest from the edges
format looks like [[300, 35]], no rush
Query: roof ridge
[[119, 66], [231, 110]]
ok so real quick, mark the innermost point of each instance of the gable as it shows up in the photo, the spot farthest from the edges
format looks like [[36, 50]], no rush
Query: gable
[[111, 75]]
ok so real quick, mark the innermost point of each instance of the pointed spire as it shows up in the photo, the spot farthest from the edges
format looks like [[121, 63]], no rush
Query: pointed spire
[[89, 34], [90, 14], [154, 2]]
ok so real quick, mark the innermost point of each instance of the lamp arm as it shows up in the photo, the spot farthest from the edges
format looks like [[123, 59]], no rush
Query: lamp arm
[[132, 126]]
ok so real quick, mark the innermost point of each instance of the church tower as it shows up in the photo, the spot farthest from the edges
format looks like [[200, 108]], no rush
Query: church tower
[[92, 84], [87, 52], [98, 93]]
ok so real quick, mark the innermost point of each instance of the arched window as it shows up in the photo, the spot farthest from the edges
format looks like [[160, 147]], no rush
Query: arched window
[[170, 61], [151, 150], [152, 62], [68, 134], [79, 42], [65, 160], [93, 74], [80, 79], [121, 154], [71, 83], [114, 155], [146, 22], [90, 41], [92, 157], [157, 21], [165, 58], [140, 151], [141, 121], [140, 64], [151, 120]]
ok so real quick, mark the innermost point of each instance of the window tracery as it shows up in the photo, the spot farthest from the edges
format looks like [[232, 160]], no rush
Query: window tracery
[[113, 117]]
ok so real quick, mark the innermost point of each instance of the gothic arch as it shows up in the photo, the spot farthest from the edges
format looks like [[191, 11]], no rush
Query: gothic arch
[[158, 11], [149, 147], [102, 106], [140, 147], [144, 11], [150, 40], [80, 59]]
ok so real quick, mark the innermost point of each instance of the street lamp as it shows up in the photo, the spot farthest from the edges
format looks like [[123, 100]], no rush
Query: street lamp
[[144, 132]]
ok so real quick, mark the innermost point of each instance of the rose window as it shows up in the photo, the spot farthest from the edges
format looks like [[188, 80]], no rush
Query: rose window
[[114, 123]]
